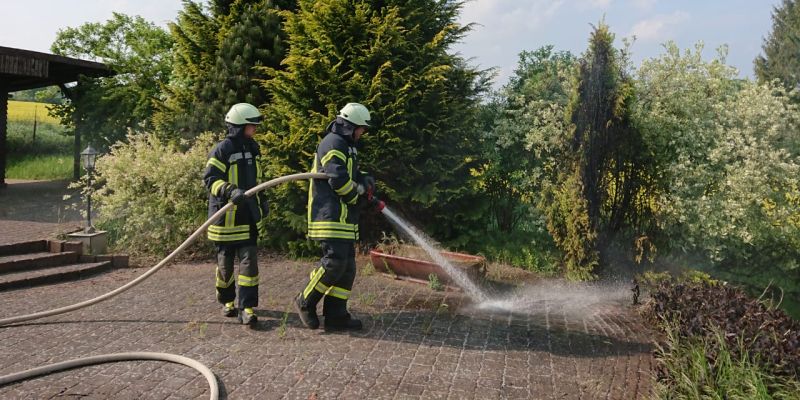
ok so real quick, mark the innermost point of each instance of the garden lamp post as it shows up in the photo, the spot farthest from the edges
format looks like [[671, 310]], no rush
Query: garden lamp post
[[88, 158]]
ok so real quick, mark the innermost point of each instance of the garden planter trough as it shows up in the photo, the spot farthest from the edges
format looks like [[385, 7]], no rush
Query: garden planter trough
[[411, 263]]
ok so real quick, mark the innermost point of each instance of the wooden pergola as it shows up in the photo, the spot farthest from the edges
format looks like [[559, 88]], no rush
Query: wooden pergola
[[25, 69]]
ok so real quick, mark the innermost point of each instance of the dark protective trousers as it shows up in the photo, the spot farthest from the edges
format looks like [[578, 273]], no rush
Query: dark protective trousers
[[333, 279], [247, 279]]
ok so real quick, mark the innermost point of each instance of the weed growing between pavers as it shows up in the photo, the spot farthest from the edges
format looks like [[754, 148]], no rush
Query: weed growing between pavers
[[442, 308], [282, 326], [368, 270], [197, 329], [367, 299], [434, 283]]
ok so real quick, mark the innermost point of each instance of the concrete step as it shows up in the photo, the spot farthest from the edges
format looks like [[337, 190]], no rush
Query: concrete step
[[32, 261], [56, 274], [33, 246]]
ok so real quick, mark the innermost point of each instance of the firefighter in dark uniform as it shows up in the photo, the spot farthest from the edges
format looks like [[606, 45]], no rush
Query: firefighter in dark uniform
[[333, 211], [233, 168]]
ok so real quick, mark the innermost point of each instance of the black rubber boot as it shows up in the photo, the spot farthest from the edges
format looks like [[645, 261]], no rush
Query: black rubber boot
[[307, 311], [248, 317], [229, 310], [343, 323]]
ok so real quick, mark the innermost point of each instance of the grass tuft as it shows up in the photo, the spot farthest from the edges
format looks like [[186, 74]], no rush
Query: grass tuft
[[706, 368]]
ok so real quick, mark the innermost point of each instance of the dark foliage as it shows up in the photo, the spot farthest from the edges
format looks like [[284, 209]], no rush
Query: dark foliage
[[769, 335], [781, 58]]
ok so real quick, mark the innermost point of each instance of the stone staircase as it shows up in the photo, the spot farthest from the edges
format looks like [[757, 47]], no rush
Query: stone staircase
[[41, 262]]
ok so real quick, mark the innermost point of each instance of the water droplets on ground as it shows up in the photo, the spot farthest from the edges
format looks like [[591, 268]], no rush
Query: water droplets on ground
[[574, 298]]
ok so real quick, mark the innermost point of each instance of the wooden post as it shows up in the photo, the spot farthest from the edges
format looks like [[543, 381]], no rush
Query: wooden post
[[35, 110], [76, 152], [76, 157], [3, 134]]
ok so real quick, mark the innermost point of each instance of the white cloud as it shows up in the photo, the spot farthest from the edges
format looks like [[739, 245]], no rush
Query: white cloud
[[503, 29], [598, 3], [644, 4], [658, 27], [501, 14]]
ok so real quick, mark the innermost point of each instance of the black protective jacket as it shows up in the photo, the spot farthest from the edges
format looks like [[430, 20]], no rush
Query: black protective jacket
[[332, 203], [236, 160]]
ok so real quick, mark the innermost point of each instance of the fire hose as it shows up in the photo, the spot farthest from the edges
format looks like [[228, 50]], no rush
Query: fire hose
[[140, 355]]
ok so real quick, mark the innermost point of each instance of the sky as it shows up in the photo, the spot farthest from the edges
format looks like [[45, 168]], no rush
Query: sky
[[503, 28]]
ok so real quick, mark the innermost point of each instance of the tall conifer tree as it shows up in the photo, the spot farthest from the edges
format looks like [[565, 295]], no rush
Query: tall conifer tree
[[781, 59], [393, 57], [604, 176], [194, 52], [217, 51]]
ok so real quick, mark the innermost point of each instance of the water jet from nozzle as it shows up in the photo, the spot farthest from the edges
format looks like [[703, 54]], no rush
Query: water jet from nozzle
[[458, 276]]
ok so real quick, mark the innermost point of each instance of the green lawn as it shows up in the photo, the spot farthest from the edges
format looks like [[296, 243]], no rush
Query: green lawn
[[39, 167], [45, 155]]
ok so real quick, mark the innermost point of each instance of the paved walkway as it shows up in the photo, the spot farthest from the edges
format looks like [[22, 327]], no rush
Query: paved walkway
[[417, 343], [21, 231], [40, 201], [31, 210]]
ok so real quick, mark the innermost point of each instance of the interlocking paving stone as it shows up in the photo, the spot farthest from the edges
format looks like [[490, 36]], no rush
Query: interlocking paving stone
[[411, 346]]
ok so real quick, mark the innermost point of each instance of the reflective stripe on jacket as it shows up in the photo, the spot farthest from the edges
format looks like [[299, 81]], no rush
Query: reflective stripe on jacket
[[332, 210], [234, 160]]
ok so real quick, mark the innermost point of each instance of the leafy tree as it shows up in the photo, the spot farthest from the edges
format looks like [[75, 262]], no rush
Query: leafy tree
[[194, 34], [512, 166], [104, 109], [781, 58], [216, 57], [50, 94], [393, 57]]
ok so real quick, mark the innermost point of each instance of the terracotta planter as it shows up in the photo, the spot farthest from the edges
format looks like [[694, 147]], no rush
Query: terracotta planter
[[411, 264]]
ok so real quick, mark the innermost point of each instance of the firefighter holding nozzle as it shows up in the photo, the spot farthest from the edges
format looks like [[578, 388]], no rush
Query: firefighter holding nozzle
[[333, 214]]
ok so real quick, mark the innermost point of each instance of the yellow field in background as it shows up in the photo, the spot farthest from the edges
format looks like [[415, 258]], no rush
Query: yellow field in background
[[25, 111]]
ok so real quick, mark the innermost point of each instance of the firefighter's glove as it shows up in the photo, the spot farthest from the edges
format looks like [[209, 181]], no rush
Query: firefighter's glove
[[226, 189], [231, 192], [264, 207], [369, 184], [237, 196]]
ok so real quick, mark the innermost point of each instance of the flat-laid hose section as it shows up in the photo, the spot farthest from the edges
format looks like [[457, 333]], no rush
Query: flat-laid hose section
[[81, 362], [106, 358]]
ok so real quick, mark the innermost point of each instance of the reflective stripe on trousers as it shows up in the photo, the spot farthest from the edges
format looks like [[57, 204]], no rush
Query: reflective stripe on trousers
[[247, 278], [334, 278]]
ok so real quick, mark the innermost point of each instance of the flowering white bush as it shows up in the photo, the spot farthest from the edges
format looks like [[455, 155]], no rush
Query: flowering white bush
[[728, 153], [151, 196]]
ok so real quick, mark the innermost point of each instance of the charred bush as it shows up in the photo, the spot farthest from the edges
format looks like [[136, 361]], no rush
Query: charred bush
[[770, 338]]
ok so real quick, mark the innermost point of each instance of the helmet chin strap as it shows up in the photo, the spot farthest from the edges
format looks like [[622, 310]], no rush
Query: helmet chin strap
[[235, 130], [342, 127]]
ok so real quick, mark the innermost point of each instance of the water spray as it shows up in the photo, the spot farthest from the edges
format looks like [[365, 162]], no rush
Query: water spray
[[564, 297], [423, 241]]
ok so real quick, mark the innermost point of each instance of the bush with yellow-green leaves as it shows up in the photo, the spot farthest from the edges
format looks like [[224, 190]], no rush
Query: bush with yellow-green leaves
[[150, 194]]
